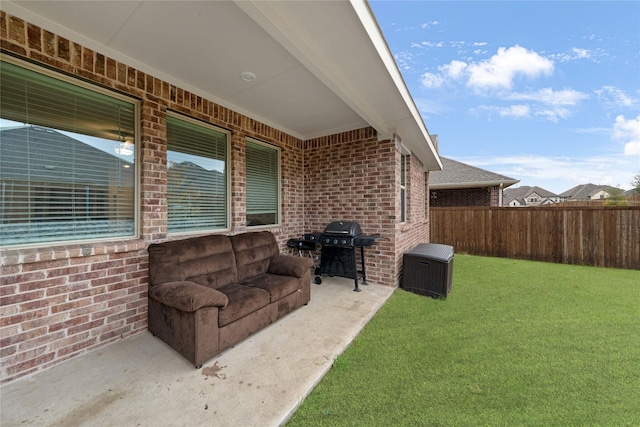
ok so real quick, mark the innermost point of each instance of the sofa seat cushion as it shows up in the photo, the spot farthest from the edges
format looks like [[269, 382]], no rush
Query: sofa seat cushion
[[243, 300], [277, 286]]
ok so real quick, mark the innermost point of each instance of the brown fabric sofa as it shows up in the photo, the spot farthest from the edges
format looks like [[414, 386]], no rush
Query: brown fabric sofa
[[208, 293]]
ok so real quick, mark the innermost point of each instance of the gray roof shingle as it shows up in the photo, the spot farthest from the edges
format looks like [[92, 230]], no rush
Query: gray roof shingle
[[587, 191], [456, 174], [525, 191]]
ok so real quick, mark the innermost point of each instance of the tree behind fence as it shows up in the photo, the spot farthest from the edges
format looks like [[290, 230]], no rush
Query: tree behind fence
[[605, 236]]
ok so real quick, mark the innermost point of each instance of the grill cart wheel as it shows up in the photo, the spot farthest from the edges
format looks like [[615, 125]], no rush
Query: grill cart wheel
[[317, 280]]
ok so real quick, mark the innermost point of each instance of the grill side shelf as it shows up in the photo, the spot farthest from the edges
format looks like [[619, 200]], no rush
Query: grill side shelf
[[367, 240]]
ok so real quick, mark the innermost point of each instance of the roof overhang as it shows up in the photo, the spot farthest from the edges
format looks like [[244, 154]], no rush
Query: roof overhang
[[460, 185], [321, 67]]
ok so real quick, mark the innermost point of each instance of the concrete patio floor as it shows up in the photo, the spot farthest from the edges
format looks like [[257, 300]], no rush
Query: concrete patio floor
[[141, 381]]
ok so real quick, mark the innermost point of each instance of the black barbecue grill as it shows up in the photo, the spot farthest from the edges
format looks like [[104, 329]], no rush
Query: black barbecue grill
[[340, 240]]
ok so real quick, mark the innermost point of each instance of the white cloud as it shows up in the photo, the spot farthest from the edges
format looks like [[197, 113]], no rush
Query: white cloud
[[429, 107], [554, 114], [405, 60], [614, 97], [629, 131], [500, 70], [515, 111], [430, 80], [559, 174], [575, 54], [429, 24], [593, 131], [632, 148], [426, 44], [581, 53], [550, 97], [454, 69], [431, 44]]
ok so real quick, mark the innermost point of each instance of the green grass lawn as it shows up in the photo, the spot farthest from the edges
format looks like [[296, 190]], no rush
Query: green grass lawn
[[516, 343]]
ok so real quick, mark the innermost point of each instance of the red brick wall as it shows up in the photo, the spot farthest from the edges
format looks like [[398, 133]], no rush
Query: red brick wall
[[59, 302], [352, 176], [486, 196]]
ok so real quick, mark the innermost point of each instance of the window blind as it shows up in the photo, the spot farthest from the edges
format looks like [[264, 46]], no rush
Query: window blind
[[262, 184], [196, 176], [63, 174]]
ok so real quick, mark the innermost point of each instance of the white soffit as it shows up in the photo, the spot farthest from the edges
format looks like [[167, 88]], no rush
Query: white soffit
[[322, 67]]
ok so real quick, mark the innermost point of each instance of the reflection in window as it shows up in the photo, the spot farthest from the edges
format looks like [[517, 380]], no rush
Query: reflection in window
[[67, 155], [196, 176]]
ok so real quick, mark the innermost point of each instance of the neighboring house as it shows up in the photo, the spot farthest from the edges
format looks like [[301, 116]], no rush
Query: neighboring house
[[237, 116], [460, 184], [529, 196], [588, 192]]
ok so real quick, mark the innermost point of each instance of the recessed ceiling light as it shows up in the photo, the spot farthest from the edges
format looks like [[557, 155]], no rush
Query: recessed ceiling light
[[248, 76]]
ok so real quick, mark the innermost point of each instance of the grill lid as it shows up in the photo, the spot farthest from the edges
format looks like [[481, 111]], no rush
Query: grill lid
[[343, 228]]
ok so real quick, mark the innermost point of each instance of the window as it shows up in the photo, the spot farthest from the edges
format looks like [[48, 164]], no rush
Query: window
[[263, 184], [67, 159], [196, 176], [403, 188]]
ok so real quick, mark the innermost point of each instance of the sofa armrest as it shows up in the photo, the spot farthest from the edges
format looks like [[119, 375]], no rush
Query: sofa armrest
[[288, 265], [187, 296]]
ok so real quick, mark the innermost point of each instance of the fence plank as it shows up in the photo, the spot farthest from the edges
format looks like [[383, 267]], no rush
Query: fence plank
[[599, 235]]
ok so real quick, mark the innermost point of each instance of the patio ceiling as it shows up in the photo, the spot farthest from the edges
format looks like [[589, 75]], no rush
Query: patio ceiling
[[321, 67]]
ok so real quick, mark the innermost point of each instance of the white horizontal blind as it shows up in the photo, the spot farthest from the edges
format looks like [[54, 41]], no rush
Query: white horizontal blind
[[63, 174], [196, 176], [262, 184]]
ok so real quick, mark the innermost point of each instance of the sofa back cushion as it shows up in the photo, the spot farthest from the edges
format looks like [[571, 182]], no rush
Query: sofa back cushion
[[207, 260], [253, 252]]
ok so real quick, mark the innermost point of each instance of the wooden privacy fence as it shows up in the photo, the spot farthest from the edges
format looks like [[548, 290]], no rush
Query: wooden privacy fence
[[605, 236]]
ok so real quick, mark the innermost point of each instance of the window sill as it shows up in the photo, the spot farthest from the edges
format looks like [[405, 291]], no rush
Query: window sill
[[263, 227], [78, 250]]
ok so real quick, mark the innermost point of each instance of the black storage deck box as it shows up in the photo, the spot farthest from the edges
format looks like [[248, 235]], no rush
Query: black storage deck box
[[427, 269]]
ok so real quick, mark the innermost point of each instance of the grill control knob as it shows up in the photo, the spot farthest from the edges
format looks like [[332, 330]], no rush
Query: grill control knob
[[344, 242], [335, 241]]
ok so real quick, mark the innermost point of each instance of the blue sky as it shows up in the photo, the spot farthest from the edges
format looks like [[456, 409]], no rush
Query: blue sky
[[544, 92]]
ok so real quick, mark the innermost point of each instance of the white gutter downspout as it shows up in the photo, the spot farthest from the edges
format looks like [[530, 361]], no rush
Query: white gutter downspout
[[500, 196]]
